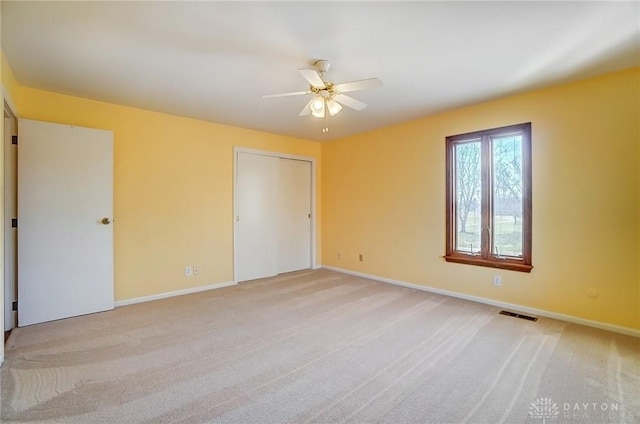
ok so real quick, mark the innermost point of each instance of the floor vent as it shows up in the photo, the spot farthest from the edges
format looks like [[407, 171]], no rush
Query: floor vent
[[513, 314]]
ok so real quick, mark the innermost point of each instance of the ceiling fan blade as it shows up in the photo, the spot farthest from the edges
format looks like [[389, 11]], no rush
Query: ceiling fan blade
[[293, 93], [313, 77], [350, 101], [307, 109], [358, 85]]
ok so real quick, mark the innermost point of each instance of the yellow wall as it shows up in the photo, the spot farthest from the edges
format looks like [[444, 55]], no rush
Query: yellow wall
[[173, 188], [383, 196], [8, 82]]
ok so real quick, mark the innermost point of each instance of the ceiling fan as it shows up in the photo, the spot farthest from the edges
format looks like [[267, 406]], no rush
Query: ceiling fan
[[328, 97]]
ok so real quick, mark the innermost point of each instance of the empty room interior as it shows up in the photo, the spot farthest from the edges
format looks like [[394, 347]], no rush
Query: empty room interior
[[320, 212]]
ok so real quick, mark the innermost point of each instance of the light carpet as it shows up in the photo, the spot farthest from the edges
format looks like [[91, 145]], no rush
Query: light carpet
[[317, 347]]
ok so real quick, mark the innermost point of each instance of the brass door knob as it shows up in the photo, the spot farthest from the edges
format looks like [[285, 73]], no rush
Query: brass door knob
[[106, 221]]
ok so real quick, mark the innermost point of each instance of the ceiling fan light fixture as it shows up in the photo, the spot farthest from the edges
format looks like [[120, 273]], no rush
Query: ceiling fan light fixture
[[317, 104], [333, 107], [317, 107]]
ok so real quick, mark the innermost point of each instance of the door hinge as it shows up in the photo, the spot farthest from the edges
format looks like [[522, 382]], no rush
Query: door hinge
[[14, 305], [14, 139], [14, 222]]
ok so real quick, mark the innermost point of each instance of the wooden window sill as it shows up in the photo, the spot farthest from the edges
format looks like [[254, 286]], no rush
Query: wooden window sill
[[499, 263]]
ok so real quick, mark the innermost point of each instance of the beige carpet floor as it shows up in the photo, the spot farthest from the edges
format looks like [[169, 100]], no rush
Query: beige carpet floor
[[317, 347]]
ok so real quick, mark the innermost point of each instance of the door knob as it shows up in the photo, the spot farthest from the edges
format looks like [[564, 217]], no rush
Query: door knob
[[105, 221]]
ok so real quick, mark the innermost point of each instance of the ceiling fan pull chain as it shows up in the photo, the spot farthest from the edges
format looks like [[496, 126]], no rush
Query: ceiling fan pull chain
[[326, 118]]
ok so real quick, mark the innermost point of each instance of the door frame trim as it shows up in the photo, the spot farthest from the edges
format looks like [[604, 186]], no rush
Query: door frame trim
[[314, 212]]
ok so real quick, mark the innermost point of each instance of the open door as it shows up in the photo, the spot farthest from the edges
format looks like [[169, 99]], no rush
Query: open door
[[65, 215], [10, 212]]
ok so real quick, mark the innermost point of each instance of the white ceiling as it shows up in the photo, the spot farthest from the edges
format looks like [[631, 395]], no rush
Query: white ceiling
[[214, 60]]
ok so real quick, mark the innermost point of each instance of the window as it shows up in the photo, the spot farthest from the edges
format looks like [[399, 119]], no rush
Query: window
[[489, 198]]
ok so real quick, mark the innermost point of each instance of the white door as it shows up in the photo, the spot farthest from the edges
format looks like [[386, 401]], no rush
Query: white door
[[10, 233], [294, 241], [256, 224], [65, 234]]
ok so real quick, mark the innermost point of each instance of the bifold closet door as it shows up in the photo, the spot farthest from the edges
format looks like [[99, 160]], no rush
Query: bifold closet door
[[273, 216]]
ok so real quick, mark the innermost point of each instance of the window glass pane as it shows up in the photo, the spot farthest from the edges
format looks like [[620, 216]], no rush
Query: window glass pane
[[468, 197], [507, 196]]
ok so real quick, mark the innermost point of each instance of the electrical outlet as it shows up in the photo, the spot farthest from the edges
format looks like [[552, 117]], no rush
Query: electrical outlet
[[196, 270], [188, 271], [497, 280]]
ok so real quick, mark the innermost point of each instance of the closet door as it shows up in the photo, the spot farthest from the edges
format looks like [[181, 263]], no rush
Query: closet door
[[256, 225], [273, 216], [294, 235]]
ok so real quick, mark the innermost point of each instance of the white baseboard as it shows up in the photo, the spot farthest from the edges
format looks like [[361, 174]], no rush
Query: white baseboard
[[516, 308], [173, 293]]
